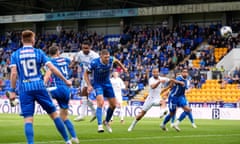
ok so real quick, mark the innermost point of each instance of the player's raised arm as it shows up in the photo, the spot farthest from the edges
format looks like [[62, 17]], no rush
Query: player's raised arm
[[74, 62], [178, 82], [120, 64], [164, 90], [157, 80]]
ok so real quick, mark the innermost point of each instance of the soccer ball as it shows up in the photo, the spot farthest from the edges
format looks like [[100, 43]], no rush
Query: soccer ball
[[226, 31]]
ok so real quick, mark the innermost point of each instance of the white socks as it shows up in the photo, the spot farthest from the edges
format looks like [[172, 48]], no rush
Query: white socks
[[122, 112], [90, 104], [83, 109]]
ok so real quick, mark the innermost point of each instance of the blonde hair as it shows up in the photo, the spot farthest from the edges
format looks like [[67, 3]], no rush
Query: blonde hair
[[28, 36]]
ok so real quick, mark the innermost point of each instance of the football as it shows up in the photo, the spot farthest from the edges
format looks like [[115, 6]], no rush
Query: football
[[226, 31]]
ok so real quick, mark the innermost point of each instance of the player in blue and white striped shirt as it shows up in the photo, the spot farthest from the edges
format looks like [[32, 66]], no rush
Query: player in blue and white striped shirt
[[59, 90], [25, 64], [101, 69]]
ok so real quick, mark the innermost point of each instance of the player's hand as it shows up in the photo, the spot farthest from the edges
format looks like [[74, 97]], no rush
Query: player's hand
[[162, 81], [12, 96], [68, 83], [125, 70], [89, 89]]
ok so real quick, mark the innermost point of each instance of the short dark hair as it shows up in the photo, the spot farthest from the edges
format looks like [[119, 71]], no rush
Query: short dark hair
[[53, 50], [86, 42], [184, 69], [104, 52]]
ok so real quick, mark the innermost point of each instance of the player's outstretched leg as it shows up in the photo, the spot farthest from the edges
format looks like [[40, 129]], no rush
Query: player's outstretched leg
[[163, 112], [108, 118], [71, 130], [172, 120], [122, 114], [189, 114], [176, 124], [28, 128], [133, 124], [165, 121], [83, 109], [99, 119], [60, 127], [138, 117], [93, 110]]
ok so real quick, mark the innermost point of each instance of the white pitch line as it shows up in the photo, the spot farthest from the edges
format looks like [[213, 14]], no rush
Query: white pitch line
[[138, 138]]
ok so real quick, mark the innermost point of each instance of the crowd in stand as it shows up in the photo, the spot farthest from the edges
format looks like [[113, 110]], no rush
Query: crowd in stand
[[140, 48]]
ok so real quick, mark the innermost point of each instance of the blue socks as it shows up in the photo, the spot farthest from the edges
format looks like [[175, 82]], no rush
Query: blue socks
[[173, 119], [70, 128], [28, 127], [190, 117], [109, 114], [60, 126], [184, 114], [99, 115], [166, 119]]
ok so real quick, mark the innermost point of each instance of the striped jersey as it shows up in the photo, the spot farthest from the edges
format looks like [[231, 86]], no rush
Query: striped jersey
[[101, 72], [29, 61], [63, 66], [177, 89]]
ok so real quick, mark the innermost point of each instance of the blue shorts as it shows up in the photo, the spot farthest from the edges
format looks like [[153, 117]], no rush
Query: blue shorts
[[104, 89], [27, 102], [176, 101], [62, 95]]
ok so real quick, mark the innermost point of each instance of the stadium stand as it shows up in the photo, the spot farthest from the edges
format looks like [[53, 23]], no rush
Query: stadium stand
[[139, 45]]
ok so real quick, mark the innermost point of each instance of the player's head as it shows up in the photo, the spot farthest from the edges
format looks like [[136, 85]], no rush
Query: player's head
[[28, 37], [115, 74], [104, 55], [86, 47], [184, 73], [155, 72], [54, 51]]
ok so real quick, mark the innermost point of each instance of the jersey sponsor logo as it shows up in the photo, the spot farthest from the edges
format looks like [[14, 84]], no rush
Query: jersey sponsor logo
[[61, 60], [28, 55], [27, 51], [62, 63]]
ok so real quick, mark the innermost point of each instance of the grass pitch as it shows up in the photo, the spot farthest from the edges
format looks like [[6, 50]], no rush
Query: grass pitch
[[147, 131]]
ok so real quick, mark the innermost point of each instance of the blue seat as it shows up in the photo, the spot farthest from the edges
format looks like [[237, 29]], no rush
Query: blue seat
[[125, 98], [165, 70], [140, 86]]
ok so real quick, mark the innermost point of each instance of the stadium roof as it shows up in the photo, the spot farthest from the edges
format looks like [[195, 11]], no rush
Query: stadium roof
[[12, 7]]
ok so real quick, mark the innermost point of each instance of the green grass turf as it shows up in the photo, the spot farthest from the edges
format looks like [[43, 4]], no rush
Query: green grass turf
[[147, 131]]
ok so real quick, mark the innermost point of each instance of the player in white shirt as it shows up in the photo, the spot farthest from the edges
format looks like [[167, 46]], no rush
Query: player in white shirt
[[156, 83], [118, 85], [83, 58]]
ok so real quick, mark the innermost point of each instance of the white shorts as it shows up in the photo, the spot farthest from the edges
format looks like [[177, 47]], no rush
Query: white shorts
[[149, 102], [118, 97], [83, 84]]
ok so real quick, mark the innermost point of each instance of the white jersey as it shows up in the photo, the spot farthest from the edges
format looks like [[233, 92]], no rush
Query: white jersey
[[153, 98], [84, 60], [155, 93], [118, 85]]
